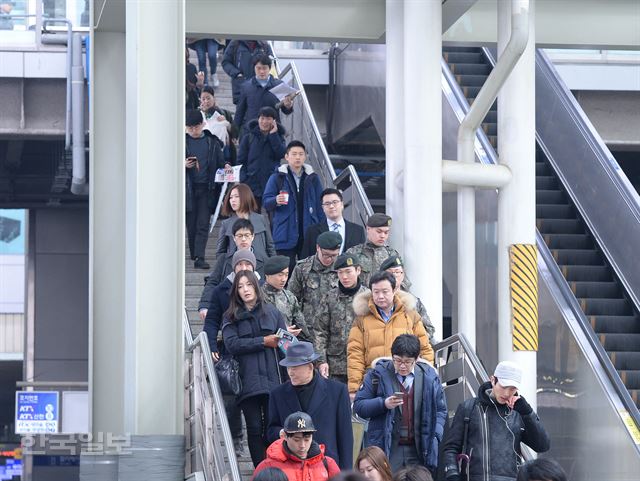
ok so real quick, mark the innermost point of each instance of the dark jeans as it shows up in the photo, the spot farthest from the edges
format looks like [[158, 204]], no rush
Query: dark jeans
[[234, 416], [198, 221], [292, 254], [256, 410], [206, 47]]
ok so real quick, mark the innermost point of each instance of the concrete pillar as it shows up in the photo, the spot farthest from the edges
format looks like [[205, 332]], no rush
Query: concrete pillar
[[517, 200], [137, 244], [394, 124], [423, 153]]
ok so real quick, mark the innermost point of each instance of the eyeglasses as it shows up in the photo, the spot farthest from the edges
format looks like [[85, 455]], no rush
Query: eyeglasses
[[331, 203], [243, 236], [403, 362], [326, 255]]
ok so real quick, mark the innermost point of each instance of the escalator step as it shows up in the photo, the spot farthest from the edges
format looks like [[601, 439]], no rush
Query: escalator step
[[555, 211], [601, 290], [470, 92], [455, 48], [494, 107], [493, 139], [490, 129], [568, 241], [578, 257], [606, 307], [615, 324], [551, 197], [542, 168], [463, 57], [623, 360], [586, 273], [620, 342], [630, 378], [470, 80], [547, 183], [560, 226], [492, 117], [470, 69], [635, 395]]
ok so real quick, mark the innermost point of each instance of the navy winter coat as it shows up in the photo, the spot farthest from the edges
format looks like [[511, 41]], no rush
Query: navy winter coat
[[260, 156], [216, 300], [216, 161], [238, 59], [284, 223], [330, 410], [253, 97], [429, 419], [243, 338]]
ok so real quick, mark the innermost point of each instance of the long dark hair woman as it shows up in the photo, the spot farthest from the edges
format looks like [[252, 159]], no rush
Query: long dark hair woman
[[249, 333], [239, 203]]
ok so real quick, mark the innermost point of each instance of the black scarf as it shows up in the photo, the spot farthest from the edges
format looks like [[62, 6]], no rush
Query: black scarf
[[350, 292], [305, 392]]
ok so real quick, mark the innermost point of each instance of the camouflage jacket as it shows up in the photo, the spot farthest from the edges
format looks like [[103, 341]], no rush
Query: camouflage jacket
[[333, 325], [289, 306], [310, 282], [426, 320], [371, 258]]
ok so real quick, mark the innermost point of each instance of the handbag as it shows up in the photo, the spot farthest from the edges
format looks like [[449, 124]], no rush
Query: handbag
[[228, 372]]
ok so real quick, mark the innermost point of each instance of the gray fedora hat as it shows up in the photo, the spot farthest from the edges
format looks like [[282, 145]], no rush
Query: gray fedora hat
[[299, 354]]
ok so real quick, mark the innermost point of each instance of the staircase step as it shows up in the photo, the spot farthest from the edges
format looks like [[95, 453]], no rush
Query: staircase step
[[551, 197], [547, 182], [470, 69], [602, 290], [620, 342], [606, 307], [579, 257], [468, 80], [623, 360], [555, 211], [630, 378], [615, 324], [463, 57], [586, 273], [568, 241], [560, 226]]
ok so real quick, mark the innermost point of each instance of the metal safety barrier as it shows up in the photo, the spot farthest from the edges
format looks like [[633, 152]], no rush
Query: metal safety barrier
[[208, 441]]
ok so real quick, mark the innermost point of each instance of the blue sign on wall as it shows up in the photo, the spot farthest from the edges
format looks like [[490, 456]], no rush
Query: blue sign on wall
[[36, 412]]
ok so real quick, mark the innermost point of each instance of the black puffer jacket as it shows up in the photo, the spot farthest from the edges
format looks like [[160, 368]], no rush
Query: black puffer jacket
[[243, 338], [495, 433]]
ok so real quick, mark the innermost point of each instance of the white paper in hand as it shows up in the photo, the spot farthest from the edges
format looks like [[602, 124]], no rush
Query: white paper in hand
[[282, 90], [228, 175]]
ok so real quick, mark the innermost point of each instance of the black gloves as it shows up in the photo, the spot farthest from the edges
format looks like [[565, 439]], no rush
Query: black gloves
[[522, 407]]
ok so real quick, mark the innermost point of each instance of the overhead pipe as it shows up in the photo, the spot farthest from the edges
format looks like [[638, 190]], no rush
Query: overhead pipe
[[79, 184], [483, 176], [466, 195]]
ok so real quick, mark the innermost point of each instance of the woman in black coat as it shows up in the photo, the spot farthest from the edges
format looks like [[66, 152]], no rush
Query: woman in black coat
[[248, 331]]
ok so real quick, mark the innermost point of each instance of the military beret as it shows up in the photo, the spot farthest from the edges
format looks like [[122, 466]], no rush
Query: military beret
[[329, 240], [346, 260], [379, 220], [275, 264], [393, 261]]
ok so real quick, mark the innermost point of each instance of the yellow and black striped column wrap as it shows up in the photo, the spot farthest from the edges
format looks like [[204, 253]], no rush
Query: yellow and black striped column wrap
[[524, 296]]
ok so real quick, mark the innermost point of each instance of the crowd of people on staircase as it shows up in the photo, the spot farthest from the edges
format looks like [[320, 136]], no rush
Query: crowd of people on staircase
[[318, 315]]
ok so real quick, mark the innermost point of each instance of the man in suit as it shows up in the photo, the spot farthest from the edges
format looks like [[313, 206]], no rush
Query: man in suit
[[333, 206], [325, 400]]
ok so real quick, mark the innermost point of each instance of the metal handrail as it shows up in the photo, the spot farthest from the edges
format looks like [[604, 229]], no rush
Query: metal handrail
[[359, 208], [213, 447]]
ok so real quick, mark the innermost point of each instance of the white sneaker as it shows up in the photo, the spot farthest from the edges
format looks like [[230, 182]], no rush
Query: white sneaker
[[215, 81]]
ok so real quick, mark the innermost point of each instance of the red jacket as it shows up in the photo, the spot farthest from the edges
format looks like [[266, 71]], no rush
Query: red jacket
[[313, 468]]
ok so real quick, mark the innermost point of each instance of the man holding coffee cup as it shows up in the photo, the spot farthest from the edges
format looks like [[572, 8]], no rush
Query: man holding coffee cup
[[292, 197]]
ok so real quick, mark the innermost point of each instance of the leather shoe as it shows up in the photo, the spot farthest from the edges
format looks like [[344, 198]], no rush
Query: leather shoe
[[200, 263]]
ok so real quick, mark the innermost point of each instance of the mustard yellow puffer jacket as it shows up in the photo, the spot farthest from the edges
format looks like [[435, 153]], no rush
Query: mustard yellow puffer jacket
[[371, 338]]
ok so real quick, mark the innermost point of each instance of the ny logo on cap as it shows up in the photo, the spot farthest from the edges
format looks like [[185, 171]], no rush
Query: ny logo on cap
[[302, 423], [349, 261]]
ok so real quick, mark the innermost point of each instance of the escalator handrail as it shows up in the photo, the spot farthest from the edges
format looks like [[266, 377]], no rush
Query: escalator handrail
[[605, 159], [202, 341], [552, 266]]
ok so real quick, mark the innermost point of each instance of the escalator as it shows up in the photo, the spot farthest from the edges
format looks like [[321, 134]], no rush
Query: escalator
[[585, 267]]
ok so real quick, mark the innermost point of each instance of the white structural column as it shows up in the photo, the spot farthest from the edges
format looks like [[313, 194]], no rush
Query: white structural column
[[394, 124], [423, 153], [137, 243], [516, 203]]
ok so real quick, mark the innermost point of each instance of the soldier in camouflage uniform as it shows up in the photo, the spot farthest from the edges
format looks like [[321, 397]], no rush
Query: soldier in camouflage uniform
[[395, 266], [314, 277], [335, 318], [374, 251], [276, 270]]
